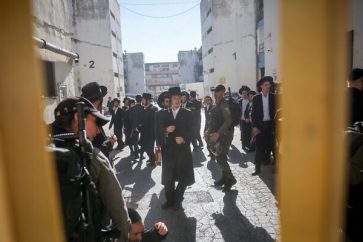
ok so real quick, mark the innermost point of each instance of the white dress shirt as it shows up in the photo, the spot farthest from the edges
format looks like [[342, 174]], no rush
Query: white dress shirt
[[175, 112], [266, 107], [244, 105]]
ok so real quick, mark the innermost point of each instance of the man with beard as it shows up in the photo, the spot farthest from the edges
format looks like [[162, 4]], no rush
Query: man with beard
[[95, 93], [195, 106], [118, 120], [263, 123], [177, 164], [164, 104], [147, 129], [135, 117]]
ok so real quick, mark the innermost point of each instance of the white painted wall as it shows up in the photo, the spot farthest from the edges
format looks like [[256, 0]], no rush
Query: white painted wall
[[135, 71], [196, 86], [233, 34], [271, 38], [357, 26]]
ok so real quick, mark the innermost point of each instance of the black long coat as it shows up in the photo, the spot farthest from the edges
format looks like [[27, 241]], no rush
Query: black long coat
[[177, 161], [118, 120], [147, 128]]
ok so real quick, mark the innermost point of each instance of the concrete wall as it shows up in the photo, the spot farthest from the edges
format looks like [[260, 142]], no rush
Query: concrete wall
[[188, 66], [357, 26], [271, 38], [98, 42], [233, 39], [52, 21], [134, 73]]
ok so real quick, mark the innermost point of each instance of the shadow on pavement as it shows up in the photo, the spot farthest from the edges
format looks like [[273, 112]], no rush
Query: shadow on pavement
[[181, 228], [232, 218], [214, 169], [141, 178], [198, 158]]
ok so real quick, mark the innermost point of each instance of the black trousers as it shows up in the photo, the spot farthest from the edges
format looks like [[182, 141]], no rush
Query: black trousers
[[119, 136], [174, 195], [245, 134], [148, 147], [265, 143]]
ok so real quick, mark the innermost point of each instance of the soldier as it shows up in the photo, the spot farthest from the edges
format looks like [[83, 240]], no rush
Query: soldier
[[147, 129], [118, 120], [102, 174], [95, 93], [135, 117], [177, 164], [195, 106], [219, 137]]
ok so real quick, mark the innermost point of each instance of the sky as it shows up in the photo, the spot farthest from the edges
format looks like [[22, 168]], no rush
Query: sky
[[160, 39]]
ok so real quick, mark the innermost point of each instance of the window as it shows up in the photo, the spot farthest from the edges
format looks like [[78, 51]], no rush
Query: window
[[115, 74], [114, 54], [210, 50], [211, 70], [49, 76], [209, 30], [113, 34]]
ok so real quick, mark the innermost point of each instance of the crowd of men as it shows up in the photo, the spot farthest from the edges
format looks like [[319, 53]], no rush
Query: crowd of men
[[165, 133]]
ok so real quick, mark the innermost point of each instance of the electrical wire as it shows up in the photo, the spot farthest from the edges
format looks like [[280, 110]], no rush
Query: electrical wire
[[157, 3], [159, 17]]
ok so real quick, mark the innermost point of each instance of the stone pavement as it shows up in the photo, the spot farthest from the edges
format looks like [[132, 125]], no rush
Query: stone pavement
[[247, 213]]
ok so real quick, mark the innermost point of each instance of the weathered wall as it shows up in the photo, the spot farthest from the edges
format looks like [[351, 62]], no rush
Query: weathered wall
[[188, 64], [271, 38], [232, 62], [135, 73]]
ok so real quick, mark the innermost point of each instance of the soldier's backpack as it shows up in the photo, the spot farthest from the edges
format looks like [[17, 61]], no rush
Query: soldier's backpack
[[72, 194]]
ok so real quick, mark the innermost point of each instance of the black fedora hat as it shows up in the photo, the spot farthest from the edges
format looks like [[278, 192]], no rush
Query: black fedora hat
[[147, 96], [265, 79], [93, 91], [161, 98], [175, 91]]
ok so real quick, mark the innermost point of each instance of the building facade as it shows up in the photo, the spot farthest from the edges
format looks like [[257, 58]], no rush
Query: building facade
[[228, 43], [134, 73], [159, 77], [188, 66], [91, 31], [97, 39]]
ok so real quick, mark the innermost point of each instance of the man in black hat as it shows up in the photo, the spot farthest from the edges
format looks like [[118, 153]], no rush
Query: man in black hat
[[195, 106], [102, 174], [147, 129], [263, 123], [219, 137], [356, 95], [128, 124], [135, 117], [164, 104], [245, 126], [177, 161], [118, 120], [184, 99], [95, 93]]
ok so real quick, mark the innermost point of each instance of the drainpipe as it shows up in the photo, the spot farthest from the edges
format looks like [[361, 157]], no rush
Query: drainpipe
[[42, 44]]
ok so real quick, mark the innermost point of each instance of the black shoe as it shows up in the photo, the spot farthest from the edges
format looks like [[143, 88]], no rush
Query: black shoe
[[220, 182], [256, 173], [166, 205], [228, 184]]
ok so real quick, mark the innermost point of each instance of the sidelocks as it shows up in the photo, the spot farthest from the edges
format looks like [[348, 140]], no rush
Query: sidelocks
[[80, 203]]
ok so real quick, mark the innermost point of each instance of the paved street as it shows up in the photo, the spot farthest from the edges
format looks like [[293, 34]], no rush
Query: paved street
[[247, 213]]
